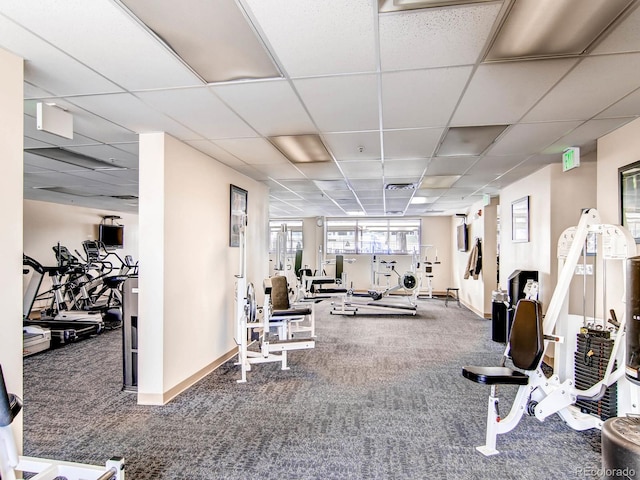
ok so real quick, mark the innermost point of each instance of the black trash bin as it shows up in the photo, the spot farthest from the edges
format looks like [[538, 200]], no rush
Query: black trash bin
[[499, 316]]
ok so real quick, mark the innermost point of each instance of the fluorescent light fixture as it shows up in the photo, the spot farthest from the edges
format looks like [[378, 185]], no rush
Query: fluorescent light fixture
[[548, 28], [72, 158], [396, 5], [355, 212], [66, 191], [302, 148], [419, 200], [463, 141], [215, 39], [439, 181]]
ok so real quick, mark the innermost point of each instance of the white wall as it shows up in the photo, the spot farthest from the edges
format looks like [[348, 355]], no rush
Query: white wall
[[186, 303], [556, 200], [482, 224], [46, 224], [615, 150], [11, 145]]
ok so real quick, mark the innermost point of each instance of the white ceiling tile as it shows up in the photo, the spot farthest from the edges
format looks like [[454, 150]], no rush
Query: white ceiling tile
[[216, 152], [128, 147], [200, 111], [48, 163], [450, 165], [496, 165], [31, 91], [362, 185], [271, 108], [104, 177], [33, 143], [628, 106], [455, 36], [625, 38], [353, 105], [585, 133], [405, 167], [422, 98], [501, 93], [65, 179], [321, 171], [130, 112], [580, 95], [130, 56], [528, 138], [474, 181], [345, 146], [253, 151], [416, 143], [365, 169], [331, 36], [46, 67], [107, 153]]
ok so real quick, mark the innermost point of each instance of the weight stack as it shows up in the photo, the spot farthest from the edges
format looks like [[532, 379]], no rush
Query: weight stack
[[590, 369]]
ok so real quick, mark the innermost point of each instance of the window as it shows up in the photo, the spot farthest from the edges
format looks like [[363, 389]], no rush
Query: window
[[388, 236], [294, 235]]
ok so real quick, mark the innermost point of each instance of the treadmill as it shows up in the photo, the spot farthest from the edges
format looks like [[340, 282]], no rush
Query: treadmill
[[67, 325]]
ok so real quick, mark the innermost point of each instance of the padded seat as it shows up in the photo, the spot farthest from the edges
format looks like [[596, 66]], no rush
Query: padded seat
[[495, 376], [292, 312], [526, 346]]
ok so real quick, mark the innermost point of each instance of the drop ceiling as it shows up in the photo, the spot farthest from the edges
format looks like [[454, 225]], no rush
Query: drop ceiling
[[385, 93]]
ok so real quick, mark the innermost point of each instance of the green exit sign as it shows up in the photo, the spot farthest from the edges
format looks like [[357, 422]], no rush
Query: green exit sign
[[570, 158]]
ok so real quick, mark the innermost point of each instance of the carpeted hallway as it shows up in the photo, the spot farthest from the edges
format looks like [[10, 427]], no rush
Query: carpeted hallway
[[380, 397]]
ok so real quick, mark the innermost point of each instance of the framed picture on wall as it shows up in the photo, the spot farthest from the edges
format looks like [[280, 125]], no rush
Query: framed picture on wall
[[630, 198], [237, 214], [520, 220]]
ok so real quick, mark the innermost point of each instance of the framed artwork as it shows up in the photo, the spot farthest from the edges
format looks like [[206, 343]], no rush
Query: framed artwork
[[520, 220], [237, 214], [630, 198]]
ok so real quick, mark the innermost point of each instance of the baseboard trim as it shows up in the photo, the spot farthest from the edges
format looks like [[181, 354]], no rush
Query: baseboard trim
[[166, 397]]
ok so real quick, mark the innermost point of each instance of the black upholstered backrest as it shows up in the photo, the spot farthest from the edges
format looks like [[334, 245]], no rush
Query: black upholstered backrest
[[9, 404], [526, 342], [279, 293]]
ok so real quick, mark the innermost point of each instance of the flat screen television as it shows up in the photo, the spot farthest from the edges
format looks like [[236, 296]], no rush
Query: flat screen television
[[463, 238], [111, 235]]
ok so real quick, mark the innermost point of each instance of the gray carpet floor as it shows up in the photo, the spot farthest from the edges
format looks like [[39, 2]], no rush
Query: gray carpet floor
[[380, 397]]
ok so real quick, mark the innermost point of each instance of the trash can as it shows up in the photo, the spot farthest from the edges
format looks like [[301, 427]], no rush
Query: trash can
[[499, 305]]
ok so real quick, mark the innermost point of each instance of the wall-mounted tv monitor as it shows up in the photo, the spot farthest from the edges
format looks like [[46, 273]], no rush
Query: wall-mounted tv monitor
[[463, 238], [111, 235]]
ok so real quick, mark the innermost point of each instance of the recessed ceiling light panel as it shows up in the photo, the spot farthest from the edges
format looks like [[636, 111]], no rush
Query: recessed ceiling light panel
[[215, 39], [548, 28], [439, 181], [302, 148], [461, 141], [396, 5]]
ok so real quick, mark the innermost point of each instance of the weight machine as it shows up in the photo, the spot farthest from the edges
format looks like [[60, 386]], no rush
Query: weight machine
[[277, 318], [426, 272], [379, 301], [538, 395], [11, 462]]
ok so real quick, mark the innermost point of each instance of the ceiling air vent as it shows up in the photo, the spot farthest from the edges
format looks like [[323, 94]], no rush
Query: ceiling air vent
[[400, 186]]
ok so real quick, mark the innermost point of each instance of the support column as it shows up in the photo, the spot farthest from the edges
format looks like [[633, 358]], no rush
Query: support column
[[11, 143]]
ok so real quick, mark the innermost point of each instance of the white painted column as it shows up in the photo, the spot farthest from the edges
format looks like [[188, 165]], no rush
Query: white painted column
[[151, 248], [11, 142]]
